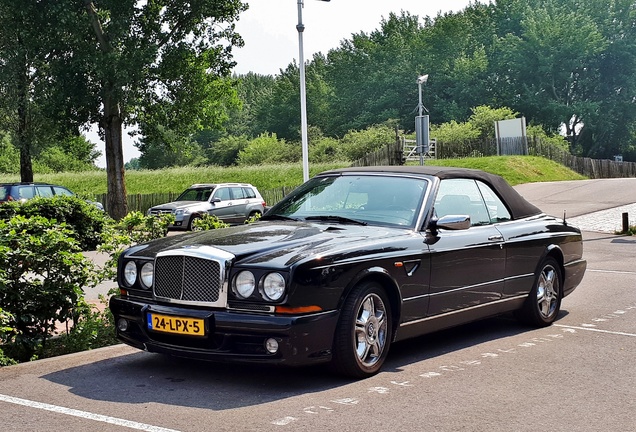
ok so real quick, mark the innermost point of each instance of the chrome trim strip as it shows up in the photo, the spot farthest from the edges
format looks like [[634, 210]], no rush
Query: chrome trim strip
[[489, 304], [469, 287]]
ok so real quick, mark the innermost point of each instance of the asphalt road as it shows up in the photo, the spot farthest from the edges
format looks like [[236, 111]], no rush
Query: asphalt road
[[577, 375]]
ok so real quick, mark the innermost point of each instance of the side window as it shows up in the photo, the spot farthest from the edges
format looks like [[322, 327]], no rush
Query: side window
[[45, 191], [249, 193], [223, 194], [26, 192], [461, 197], [58, 190], [497, 210], [237, 193]]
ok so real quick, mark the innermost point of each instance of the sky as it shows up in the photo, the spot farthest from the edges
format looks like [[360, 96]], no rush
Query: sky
[[268, 29]]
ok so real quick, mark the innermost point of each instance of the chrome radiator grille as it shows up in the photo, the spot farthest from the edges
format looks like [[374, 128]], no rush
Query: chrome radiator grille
[[160, 212], [185, 278]]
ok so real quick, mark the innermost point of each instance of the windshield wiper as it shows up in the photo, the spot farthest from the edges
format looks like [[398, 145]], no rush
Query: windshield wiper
[[278, 217], [336, 219]]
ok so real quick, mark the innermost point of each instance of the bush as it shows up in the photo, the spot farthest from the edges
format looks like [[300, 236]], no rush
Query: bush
[[132, 229], [91, 329], [86, 220], [5, 331], [43, 273], [357, 144], [43, 281], [268, 149], [208, 222]]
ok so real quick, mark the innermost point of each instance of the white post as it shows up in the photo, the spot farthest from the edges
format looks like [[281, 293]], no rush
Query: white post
[[422, 145], [419, 105], [303, 97]]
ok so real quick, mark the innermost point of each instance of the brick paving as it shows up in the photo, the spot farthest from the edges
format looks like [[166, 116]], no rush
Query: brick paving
[[607, 221]]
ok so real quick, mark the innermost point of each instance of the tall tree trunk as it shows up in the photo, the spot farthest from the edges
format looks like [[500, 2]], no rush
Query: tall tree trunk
[[23, 134], [111, 124]]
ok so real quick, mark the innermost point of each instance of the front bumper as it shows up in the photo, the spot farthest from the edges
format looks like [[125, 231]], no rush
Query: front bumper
[[230, 336]]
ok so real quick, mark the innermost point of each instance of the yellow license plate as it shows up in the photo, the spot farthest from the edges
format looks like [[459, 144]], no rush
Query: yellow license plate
[[175, 324]]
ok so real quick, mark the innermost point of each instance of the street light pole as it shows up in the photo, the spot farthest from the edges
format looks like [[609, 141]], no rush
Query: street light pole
[[303, 92]]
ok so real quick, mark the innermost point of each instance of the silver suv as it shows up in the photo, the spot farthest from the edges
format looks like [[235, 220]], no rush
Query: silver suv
[[230, 202]]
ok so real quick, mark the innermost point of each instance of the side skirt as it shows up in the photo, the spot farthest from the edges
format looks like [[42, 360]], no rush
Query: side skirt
[[451, 319]]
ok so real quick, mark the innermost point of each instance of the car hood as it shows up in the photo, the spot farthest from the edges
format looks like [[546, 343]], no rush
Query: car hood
[[283, 244], [182, 205]]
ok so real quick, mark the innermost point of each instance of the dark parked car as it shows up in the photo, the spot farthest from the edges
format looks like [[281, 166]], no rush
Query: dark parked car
[[24, 191], [349, 262], [230, 202]]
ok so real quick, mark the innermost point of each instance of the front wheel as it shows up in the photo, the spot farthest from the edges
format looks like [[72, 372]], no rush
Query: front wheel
[[191, 226], [544, 302], [364, 332]]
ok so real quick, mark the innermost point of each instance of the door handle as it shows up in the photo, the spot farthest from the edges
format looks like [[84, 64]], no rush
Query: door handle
[[496, 238]]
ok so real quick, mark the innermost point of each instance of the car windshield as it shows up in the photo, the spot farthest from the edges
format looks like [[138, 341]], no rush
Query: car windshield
[[196, 194], [368, 199]]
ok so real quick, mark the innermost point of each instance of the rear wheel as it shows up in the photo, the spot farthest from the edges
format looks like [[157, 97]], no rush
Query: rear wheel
[[544, 302], [254, 214], [364, 332]]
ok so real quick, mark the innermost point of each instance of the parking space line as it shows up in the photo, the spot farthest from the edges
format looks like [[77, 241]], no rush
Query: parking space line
[[83, 414], [595, 330], [611, 271]]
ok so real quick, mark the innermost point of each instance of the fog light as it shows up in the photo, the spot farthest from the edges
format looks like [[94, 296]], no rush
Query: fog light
[[271, 345], [122, 325]]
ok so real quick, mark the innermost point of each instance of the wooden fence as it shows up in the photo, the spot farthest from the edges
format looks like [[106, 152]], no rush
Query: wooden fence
[[394, 154], [391, 154]]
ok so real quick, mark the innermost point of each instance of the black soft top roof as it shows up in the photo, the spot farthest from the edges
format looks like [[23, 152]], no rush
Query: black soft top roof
[[518, 206]]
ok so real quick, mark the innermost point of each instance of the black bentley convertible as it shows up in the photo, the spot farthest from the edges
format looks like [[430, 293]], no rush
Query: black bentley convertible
[[346, 264]]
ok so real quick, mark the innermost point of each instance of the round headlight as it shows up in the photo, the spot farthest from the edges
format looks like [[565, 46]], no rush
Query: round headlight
[[130, 273], [147, 271], [274, 286], [244, 284]]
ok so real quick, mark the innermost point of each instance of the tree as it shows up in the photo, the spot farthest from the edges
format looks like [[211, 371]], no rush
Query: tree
[[23, 30], [483, 119], [455, 49], [372, 76], [553, 65], [167, 148], [158, 62], [254, 92], [225, 151]]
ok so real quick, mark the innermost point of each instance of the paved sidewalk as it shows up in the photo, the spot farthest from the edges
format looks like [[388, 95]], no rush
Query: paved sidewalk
[[606, 221], [592, 205]]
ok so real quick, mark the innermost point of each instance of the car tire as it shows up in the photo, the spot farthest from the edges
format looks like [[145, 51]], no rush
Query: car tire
[[364, 332], [252, 214], [544, 302], [190, 223]]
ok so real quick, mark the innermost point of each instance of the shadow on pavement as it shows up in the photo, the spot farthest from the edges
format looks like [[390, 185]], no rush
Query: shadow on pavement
[[152, 378]]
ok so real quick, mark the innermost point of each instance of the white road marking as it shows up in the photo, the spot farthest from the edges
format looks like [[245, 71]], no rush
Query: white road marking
[[83, 414], [284, 421], [611, 271], [595, 330]]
